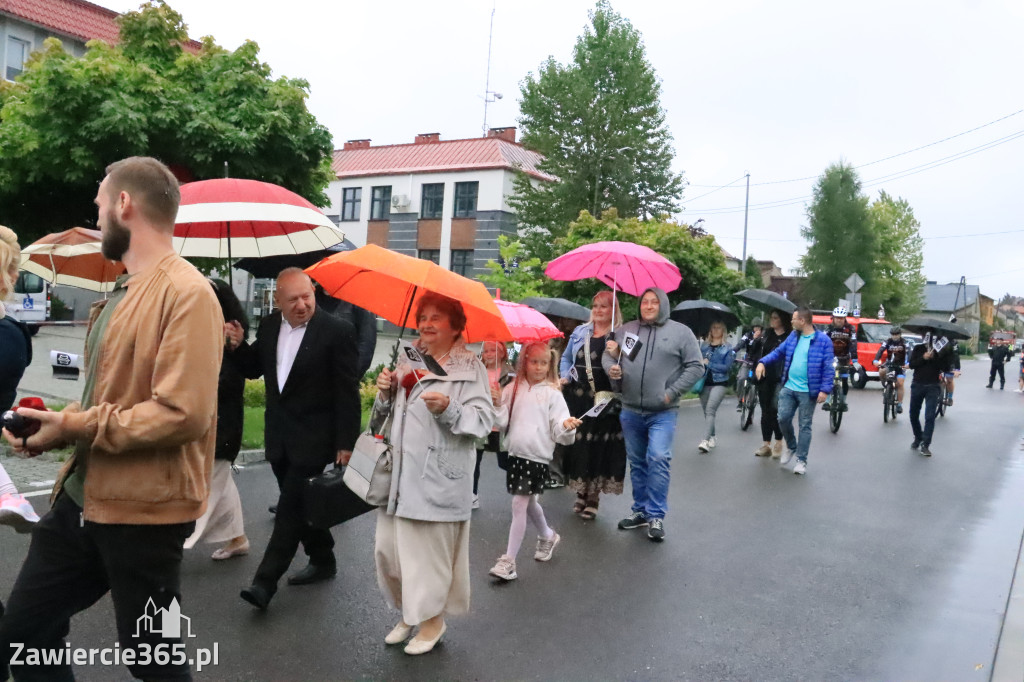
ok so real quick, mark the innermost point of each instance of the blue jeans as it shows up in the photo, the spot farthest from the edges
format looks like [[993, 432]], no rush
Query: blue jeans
[[789, 402], [928, 394], [649, 449]]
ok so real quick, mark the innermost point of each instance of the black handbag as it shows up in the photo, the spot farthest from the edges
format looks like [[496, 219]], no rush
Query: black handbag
[[328, 501]]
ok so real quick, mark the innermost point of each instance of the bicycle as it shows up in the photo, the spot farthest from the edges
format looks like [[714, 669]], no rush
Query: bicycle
[[834, 406], [940, 408], [748, 396], [889, 393]]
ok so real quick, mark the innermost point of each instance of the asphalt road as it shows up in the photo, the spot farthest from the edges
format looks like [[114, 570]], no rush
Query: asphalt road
[[880, 564]]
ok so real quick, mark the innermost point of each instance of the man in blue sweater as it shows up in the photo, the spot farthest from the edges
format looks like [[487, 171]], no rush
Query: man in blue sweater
[[807, 379]]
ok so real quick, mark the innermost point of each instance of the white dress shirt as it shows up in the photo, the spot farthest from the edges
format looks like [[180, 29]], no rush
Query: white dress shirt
[[288, 341]]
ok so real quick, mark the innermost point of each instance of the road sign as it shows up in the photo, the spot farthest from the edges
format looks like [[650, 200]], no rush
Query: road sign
[[854, 282]]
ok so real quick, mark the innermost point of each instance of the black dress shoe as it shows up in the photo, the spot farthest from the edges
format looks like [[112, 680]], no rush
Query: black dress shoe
[[272, 509], [312, 574], [257, 595]]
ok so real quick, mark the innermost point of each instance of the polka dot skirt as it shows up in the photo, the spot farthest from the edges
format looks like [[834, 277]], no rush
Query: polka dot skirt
[[525, 477]]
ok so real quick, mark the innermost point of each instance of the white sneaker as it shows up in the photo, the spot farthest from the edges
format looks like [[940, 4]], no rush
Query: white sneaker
[[16, 511], [476, 502], [505, 568], [800, 469], [703, 446], [712, 442], [546, 547], [787, 457]]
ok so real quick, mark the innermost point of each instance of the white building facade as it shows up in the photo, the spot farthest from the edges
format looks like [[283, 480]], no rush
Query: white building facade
[[445, 201]]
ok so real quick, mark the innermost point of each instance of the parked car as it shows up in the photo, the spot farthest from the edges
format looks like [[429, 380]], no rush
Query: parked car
[[30, 301]]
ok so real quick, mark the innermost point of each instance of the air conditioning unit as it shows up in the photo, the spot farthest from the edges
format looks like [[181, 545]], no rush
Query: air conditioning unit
[[399, 201]]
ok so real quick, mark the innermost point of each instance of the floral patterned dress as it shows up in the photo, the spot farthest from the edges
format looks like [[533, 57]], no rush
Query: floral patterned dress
[[596, 462]]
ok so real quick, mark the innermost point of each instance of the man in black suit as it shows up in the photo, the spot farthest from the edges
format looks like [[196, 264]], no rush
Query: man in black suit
[[308, 360]]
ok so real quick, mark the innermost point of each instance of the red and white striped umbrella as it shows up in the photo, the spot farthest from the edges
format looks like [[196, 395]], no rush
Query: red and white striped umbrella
[[233, 218], [73, 258]]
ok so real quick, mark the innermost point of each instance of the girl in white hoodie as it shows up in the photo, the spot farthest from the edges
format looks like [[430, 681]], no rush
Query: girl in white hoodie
[[536, 417]]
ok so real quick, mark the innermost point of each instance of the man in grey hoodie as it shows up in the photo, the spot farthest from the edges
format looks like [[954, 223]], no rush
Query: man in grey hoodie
[[660, 360]]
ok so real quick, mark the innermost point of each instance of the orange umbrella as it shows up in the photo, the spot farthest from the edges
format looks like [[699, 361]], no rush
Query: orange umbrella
[[72, 258], [390, 285]]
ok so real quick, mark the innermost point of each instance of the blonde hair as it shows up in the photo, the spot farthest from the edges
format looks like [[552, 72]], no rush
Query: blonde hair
[[725, 330], [10, 259], [613, 301], [552, 355]]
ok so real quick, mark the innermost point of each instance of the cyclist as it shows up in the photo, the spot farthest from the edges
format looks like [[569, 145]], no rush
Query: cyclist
[[953, 369], [844, 345], [895, 347], [751, 341]]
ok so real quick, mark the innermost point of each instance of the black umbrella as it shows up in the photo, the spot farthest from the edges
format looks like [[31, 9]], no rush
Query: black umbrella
[[766, 300], [698, 315], [922, 325], [558, 307], [270, 266]]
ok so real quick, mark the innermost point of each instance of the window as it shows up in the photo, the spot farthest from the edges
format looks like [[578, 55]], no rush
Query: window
[[432, 255], [380, 203], [465, 199], [350, 199], [433, 200], [462, 261], [17, 55], [28, 283]]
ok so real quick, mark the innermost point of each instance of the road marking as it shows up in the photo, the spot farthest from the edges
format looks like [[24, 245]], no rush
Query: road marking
[[37, 493]]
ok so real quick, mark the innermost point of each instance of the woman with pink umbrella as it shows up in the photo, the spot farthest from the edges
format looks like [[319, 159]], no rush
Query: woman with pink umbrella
[[596, 462]]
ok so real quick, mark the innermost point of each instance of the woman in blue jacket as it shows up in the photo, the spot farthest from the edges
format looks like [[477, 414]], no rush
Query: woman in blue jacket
[[718, 359]]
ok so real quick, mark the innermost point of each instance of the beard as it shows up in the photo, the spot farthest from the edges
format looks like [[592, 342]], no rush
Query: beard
[[116, 239]]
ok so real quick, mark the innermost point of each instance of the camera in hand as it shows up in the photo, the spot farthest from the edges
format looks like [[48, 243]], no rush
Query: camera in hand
[[20, 426]]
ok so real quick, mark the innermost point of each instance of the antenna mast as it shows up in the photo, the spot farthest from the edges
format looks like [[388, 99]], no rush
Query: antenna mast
[[488, 95]]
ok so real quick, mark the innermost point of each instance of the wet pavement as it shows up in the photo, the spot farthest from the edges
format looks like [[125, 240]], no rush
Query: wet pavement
[[880, 564]]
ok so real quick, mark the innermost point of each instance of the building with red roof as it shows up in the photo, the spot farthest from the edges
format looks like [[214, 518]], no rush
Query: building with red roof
[[25, 24], [443, 200]]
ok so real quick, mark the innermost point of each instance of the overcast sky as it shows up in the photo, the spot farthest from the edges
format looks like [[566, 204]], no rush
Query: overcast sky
[[777, 89]]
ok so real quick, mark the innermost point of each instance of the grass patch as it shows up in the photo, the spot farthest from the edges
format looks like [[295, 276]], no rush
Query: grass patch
[[252, 427]]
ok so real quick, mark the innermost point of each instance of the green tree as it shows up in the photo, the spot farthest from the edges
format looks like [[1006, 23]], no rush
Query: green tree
[[66, 118], [842, 240], [598, 122], [700, 260], [900, 281], [515, 277]]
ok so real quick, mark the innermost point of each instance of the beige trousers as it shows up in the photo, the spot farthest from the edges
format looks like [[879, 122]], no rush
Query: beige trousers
[[222, 520], [423, 566]]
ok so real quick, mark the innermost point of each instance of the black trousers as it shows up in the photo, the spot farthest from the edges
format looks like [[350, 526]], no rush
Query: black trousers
[[70, 565], [928, 394], [766, 391], [290, 527], [997, 368], [493, 444]]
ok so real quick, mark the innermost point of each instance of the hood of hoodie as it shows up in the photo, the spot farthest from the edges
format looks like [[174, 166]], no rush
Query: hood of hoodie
[[663, 309]]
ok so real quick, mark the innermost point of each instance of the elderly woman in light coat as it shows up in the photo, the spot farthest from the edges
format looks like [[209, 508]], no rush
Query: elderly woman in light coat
[[422, 544]]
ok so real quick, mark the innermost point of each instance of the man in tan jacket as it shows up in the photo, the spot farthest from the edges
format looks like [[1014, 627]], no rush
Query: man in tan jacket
[[144, 442]]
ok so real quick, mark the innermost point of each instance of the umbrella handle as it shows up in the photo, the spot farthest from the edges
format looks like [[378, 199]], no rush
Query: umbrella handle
[[401, 332]]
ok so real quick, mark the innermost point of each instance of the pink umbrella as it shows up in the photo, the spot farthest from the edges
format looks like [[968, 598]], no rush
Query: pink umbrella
[[623, 266], [525, 323]]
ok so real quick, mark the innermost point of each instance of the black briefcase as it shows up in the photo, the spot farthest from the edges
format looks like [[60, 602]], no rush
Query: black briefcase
[[328, 501]]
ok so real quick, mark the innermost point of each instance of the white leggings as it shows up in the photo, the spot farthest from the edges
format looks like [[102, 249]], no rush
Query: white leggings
[[6, 486], [523, 506]]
